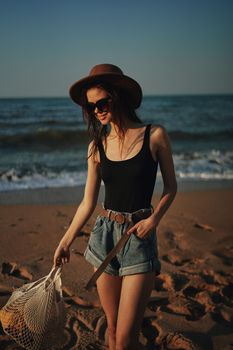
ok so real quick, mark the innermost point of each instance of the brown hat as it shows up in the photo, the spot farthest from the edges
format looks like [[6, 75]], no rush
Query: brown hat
[[108, 73]]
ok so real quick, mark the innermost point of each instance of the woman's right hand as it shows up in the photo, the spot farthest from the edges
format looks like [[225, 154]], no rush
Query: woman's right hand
[[61, 255]]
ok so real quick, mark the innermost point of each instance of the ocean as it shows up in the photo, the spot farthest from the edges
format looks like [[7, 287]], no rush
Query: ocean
[[43, 141]]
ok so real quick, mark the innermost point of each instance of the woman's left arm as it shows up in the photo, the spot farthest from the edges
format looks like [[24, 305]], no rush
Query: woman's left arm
[[161, 142], [162, 149]]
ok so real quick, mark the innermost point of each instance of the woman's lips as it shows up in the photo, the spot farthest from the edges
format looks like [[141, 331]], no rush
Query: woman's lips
[[102, 116]]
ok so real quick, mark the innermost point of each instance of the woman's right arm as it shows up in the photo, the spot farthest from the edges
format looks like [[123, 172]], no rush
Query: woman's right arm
[[83, 212]]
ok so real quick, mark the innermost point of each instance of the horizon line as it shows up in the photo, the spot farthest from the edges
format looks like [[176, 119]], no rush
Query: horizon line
[[144, 96]]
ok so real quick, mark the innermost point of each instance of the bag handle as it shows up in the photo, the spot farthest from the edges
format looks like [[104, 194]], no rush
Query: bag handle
[[56, 275]]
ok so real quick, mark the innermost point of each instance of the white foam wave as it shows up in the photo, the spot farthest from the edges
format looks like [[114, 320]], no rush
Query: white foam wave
[[209, 165], [213, 164], [11, 181], [204, 176]]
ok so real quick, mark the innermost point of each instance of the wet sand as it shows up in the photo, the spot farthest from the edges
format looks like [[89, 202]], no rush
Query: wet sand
[[191, 306]]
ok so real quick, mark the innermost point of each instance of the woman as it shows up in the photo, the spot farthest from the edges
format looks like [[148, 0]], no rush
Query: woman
[[124, 153]]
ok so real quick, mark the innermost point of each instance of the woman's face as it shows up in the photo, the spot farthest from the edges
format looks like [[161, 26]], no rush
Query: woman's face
[[99, 102]]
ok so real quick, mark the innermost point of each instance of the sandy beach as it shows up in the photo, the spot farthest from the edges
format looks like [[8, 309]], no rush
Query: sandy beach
[[191, 306]]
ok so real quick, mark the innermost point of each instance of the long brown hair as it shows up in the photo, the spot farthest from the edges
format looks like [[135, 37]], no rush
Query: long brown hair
[[120, 107]]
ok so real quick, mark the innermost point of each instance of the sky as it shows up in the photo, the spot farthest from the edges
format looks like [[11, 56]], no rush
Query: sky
[[168, 46]]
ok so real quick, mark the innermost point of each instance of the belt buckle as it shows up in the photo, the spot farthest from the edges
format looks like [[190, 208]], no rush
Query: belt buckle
[[121, 215]]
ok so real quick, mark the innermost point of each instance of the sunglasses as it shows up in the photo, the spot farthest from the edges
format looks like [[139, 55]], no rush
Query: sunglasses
[[102, 105]]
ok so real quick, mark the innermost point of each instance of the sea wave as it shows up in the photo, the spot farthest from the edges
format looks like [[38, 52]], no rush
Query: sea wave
[[208, 165], [213, 164], [178, 135], [213, 156], [14, 180], [205, 176], [68, 137], [44, 137], [11, 181]]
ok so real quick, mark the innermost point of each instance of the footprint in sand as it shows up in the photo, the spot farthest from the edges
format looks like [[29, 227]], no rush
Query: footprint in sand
[[156, 302], [179, 281], [168, 282], [204, 298], [163, 282], [71, 333], [190, 291], [217, 298], [175, 258], [71, 298], [175, 340], [225, 255], [226, 295], [177, 306], [223, 315], [228, 291], [219, 285], [101, 328], [197, 310], [78, 336], [89, 317], [171, 239], [149, 333], [86, 327], [213, 277], [191, 309], [12, 269]]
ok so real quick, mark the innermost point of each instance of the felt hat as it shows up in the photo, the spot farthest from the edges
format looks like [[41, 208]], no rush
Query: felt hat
[[111, 74]]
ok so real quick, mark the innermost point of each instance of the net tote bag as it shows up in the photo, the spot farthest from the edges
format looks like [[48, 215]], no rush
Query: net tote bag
[[34, 315]]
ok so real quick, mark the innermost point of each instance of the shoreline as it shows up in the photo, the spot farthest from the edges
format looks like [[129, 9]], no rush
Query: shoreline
[[74, 194]]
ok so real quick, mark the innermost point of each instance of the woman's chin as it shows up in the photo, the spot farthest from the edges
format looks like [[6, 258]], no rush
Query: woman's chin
[[104, 120]]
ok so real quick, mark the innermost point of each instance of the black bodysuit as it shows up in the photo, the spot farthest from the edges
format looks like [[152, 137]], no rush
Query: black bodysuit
[[129, 183]]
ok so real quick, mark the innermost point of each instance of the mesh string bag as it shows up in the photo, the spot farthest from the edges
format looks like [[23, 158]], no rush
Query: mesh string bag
[[34, 315]]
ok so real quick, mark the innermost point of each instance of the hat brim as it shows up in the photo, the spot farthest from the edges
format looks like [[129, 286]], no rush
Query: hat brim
[[123, 82]]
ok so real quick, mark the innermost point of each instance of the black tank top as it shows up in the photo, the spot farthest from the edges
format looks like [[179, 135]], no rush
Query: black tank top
[[129, 183]]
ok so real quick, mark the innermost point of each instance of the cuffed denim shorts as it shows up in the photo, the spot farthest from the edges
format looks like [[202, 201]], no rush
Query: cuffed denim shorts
[[137, 256]]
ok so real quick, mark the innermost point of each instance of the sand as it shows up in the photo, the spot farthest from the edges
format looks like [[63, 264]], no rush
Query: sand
[[191, 306]]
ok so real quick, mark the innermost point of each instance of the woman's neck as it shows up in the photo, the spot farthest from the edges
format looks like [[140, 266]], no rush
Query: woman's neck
[[116, 130]]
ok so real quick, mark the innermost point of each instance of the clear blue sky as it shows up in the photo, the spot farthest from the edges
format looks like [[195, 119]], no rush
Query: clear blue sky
[[169, 46]]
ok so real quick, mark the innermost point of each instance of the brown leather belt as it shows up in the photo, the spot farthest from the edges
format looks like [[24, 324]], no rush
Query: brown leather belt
[[122, 218]]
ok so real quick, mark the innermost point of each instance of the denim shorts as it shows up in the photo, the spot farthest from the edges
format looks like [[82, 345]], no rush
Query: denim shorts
[[137, 256]]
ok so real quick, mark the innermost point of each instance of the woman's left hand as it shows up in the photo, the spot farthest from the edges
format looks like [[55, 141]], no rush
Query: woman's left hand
[[143, 228]]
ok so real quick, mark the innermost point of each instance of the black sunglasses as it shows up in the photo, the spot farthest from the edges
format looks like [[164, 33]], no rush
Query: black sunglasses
[[102, 105]]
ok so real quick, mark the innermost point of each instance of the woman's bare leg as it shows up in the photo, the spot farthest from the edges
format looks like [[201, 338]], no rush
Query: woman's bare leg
[[135, 292], [109, 290]]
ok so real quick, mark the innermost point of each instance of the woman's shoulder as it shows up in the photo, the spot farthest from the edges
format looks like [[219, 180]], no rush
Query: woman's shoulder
[[157, 129], [158, 133]]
